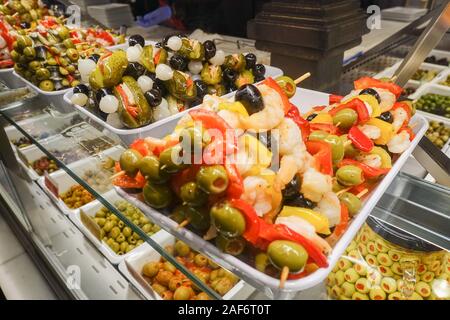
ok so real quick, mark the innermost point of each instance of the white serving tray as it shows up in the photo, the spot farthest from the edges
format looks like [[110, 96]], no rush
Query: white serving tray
[[129, 135], [144, 254], [430, 88], [270, 285], [439, 54], [446, 121], [6, 75], [63, 181], [91, 209]]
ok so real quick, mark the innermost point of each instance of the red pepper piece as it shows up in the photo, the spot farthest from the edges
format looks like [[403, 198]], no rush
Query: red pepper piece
[[360, 140], [274, 85], [407, 109], [369, 172], [327, 127], [357, 105], [252, 221], [102, 34], [333, 98], [342, 226], [410, 132], [303, 124], [140, 146], [133, 111], [367, 82], [127, 182], [235, 185], [322, 154]]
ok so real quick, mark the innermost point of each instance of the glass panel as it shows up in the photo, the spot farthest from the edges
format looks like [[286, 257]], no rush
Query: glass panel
[[47, 139]]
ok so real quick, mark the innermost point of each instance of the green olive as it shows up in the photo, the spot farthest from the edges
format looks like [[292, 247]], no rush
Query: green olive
[[47, 85], [23, 42], [197, 216], [228, 220], [191, 194], [287, 84], [289, 254], [233, 246], [194, 138], [159, 289], [337, 147], [318, 135], [68, 43], [149, 167], [183, 293], [129, 161], [261, 261], [352, 202], [171, 159], [72, 54], [42, 74], [349, 150], [212, 179], [157, 196], [349, 175], [150, 269], [15, 55], [29, 52], [200, 260], [346, 118], [181, 249]]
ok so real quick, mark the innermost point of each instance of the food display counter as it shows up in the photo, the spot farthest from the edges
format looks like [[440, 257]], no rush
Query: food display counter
[[90, 184]]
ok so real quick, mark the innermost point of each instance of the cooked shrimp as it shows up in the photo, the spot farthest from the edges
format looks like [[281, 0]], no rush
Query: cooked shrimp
[[387, 99], [211, 102], [399, 143], [330, 206], [372, 132], [290, 136], [270, 116], [287, 171], [315, 184], [232, 119], [305, 229], [373, 160], [263, 196], [400, 116]]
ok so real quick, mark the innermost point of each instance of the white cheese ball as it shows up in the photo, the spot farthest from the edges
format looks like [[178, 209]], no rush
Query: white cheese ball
[[218, 59], [145, 83], [109, 104], [134, 53], [164, 72], [174, 43], [195, 67], [86, 66], [79, 99]]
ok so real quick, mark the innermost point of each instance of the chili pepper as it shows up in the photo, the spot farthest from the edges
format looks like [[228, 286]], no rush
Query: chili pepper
[[157, 57], [321, 151], [252, 221], [274, 85], [133, 111], [367, 82], [235, 185], [140, 146], [369, 172], [409, 131], [327, 127], [303, 124], [333, 98], [127, 182], [360, 140], [355, 104]]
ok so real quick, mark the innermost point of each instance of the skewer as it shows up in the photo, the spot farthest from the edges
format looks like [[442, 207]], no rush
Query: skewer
[[183, 224], [116, 175], [347, 143], [284, 275], [338, 124], [393, 78], [303, 77], [342, 191], [362, 193]]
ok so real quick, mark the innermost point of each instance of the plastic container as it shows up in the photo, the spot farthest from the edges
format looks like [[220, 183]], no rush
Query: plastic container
[[129, 135], [267, 284], [439, 54], [145, 254], [445, 121], [383, 262], [6, 75], [430, 88], [90, 210]]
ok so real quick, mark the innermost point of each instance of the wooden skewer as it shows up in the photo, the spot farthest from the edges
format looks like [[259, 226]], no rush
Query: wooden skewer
[[183, 224], [393, 78], [303, 77], [284, 276], [362, 193], [342, 191], [338, 124], [116, 175], [347, 143]]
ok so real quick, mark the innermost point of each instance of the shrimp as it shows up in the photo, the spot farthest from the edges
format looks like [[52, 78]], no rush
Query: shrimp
[[387, 99], [372, 132], [400, 116], [290, 136], [270, 116], [399, 143], [232, 119], [315, 184], [330, 206], [304, 228], [261, 194], [373, 160], [211, 102]]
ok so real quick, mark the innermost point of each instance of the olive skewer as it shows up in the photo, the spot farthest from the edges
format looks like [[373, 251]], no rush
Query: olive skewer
[[183, 224], [362, 193], [284, 275], [302, 77]]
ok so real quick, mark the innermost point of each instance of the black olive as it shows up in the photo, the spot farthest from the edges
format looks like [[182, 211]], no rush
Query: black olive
[[202, 88], [371, 92], [94, 57], [102, 115], [292, 189], [300, 201], [178, 62], [386, 116], [135, 70], [250, 60], [149, 74], [153, 97], [101, 93], [259, 70], [81, 88], [210, 49], [136, 39], [311, 116], [250, 97], [230, 87], [258, 79], [229, 75], [158, 84]]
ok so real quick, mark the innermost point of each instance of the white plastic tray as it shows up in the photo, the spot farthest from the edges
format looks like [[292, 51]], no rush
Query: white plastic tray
[[446, 121], [6, 75], [91, 209], [430, 88], [440, 54], [129, 135], [63, 181], [144, 254], [270, 285]]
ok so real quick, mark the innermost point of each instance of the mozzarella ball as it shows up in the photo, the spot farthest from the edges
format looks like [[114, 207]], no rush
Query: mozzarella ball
[[218, 59], [164, 72], [86, 66], [174, 43], [109, 104], [133, 53], [145, 83], [79, 99], [195, 67]]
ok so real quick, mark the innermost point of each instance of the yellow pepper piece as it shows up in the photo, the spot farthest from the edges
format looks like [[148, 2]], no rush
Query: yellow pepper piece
[[387, 130], [256, 152], [323, 118], [234, 107], [318, 220], [184, 124], [386, 161], [371, 101]]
